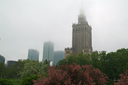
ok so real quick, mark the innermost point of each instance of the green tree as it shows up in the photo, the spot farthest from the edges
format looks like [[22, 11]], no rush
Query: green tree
[[111, 65], [116, 63], [122, 61], [83, 59], [79, 59], [46, 62], [71, 58], [16, 68], [12, 72], [95, 59], [102, 61], [2, 69], [62, 62], [33, 67]]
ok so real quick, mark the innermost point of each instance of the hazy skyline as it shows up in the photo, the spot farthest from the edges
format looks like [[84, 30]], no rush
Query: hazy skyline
[[27, 24]]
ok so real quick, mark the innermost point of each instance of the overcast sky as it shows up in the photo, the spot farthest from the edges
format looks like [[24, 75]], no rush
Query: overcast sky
[[26, 24]]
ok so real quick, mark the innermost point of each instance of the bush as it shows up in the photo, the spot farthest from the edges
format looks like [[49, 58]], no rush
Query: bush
[[4, 81], [72, 75], [29, 80]]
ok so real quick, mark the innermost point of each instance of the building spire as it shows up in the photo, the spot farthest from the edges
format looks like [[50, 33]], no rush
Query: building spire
[[81, 11], [81, 17]]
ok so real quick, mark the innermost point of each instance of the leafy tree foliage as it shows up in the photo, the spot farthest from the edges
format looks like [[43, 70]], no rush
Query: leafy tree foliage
[[46, 62], [116, 63], [79, 59], [29, 80], [62, 62], [73, 74], [111, 64], [4, 81], [24, 68], [33, 67], [16, 68], [2, 69], [98, 60], [123, 79]]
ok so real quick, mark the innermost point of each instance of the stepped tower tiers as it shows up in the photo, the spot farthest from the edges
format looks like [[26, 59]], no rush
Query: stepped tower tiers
[[81, 36]]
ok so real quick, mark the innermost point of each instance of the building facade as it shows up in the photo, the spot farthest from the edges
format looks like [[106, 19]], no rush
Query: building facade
[[10, 63], [2, 59], [33, 55], [48, 51], [81, 36], [58, 55], [68, 51]]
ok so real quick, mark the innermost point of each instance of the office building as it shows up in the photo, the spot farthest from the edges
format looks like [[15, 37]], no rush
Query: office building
[[48, 51], [58, 55], [2, 59], [10, 63], [33, 55]]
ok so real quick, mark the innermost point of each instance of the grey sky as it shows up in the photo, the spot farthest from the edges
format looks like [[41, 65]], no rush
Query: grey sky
[[28, 24]]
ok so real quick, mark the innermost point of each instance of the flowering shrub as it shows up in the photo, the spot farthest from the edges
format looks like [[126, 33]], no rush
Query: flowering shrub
[[72, 75], [33, 68], [123, 79]]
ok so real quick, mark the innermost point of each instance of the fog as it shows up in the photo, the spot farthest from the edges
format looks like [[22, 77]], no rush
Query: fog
[[26, 24]]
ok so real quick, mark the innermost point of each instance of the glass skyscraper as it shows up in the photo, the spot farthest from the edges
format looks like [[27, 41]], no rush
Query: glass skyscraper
[[33, 55], [2, 59], [48, 51], [58, 55]]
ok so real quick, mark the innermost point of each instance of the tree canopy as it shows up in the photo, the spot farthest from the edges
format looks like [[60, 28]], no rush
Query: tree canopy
[[112, 64]]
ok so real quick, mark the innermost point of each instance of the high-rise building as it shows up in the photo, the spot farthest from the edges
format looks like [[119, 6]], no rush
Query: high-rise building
[[58, 55], [10, 63], [33, 55], [2, 59], [81, 36], [48, 51]]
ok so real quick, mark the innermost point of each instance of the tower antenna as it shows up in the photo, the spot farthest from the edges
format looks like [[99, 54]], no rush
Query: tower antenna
[[82, 10], [82, 3]]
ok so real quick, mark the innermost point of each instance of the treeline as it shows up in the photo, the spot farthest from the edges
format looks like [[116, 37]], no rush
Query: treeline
[[23, 68], [81, 69], [112, 64]]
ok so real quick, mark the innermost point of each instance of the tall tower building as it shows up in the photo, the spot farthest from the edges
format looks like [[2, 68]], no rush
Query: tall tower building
[[81, 36], [48, 51], [33, 55]]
